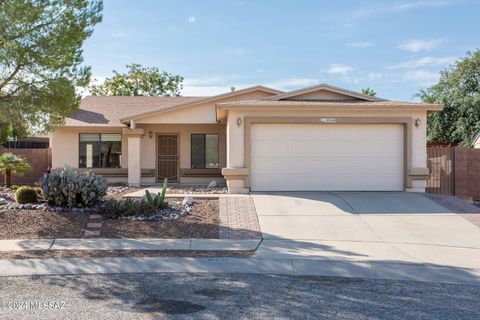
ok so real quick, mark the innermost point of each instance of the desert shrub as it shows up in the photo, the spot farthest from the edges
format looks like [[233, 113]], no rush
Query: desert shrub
[[26, 195], [69, 188], [114, 209]]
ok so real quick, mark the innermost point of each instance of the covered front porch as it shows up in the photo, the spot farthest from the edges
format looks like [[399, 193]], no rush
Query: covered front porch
[[182, 153]]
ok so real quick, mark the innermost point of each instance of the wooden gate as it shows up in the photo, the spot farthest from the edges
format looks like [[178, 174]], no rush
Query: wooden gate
[[454, 171], [440, 163], [167, 157]]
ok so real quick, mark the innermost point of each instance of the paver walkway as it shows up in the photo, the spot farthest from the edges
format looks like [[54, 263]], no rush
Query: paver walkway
[[238, 218]]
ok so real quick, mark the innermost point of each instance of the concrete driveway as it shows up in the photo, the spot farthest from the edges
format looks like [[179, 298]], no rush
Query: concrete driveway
[[365, 226]]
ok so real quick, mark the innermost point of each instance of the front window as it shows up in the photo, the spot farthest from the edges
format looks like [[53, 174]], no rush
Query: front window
[[100, 150], [204, 151]]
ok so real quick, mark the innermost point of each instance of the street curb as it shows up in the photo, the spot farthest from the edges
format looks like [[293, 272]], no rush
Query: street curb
[[114, 244], [293, 267]]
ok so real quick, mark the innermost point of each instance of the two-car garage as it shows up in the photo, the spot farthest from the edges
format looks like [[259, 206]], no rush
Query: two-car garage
[[331, 157]]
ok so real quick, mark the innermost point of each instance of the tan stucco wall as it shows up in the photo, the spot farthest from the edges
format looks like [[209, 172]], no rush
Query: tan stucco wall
[[148, 147], [64, 144], [320, 95], [200, 113]]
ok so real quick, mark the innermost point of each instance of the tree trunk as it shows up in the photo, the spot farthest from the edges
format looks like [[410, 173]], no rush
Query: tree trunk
[[8, 178]]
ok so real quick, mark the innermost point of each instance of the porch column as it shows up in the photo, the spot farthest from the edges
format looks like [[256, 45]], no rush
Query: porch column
[[134, 137]]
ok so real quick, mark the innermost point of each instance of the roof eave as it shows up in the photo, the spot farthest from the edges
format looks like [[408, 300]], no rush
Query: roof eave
[[221, 108], [200, 101], [327, 87]]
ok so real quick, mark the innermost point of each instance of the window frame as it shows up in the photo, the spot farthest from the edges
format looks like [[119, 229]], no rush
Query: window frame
[[205, 150], [99, 142]]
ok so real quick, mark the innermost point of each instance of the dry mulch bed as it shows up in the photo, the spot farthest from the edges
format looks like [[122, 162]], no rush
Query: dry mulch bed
[[203, 222], [44, 254], [34, 224]]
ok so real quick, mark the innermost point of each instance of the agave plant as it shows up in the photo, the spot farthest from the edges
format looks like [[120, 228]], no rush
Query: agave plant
[[157, 200]]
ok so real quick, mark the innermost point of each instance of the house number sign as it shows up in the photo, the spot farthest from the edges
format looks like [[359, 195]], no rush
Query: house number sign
[[328, 120]]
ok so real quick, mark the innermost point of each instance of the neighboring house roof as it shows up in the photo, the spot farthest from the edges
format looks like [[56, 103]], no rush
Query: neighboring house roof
[[108, 110], [188, 104], [347, 93]]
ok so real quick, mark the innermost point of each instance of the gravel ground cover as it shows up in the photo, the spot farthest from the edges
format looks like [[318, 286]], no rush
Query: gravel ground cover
[[43, 254], [202, 222]]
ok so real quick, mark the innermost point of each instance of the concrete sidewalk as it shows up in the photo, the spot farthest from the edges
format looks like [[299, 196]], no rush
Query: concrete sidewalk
[[311, 267], [130, 244]]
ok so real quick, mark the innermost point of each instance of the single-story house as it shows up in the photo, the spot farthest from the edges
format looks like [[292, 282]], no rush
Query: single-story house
[[255, 139]]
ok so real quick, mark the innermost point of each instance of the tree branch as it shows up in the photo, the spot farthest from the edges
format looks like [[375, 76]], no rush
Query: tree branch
[[11, 76]]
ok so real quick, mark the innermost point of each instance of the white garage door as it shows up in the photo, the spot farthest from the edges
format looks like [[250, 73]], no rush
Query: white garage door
[[334, 157]]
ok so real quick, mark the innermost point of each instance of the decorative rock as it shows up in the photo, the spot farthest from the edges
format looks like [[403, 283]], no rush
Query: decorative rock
[[188, 201], [212, 184]]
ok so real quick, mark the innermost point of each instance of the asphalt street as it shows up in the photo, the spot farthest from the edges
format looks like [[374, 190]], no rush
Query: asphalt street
[[231, 296]]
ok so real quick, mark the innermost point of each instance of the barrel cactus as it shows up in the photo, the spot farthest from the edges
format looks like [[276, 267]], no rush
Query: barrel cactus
[[26, 195], [70, 188]]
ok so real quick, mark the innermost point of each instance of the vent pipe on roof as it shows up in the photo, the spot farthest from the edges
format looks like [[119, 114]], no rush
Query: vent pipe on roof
[[232, 89]]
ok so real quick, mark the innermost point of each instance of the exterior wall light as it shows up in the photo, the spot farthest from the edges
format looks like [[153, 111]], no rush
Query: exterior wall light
[[417, 122], [150, 134], [239, 122]]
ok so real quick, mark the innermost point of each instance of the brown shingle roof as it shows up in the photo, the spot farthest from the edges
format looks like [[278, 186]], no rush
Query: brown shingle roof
[[106, 111]]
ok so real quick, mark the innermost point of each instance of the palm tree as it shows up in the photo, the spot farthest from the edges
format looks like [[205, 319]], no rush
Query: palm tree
[[12, 164], [369, 91]]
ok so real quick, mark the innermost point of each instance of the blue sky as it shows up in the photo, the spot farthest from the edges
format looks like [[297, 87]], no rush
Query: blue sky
[[394, 47]]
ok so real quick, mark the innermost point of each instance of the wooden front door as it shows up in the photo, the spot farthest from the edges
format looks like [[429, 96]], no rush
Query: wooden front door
[[167, 157]]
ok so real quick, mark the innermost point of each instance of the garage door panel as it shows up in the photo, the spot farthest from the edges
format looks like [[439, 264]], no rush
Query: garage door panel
[[326, 157]]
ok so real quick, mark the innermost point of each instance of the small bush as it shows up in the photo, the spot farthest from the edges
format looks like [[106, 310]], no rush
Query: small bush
[[114, 209], [14, 186], [70, 188], [26, 195]]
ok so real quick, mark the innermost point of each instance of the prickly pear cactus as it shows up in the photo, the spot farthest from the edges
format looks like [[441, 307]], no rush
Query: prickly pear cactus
[[69, 188]]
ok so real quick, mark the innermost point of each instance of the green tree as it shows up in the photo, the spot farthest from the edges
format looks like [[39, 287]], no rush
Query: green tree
[[140, 81], [12, 164], [41, 59], [368, 91], [459, 90]]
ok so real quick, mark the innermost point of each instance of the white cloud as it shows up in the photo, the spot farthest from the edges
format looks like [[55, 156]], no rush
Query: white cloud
[[425, 61], [214, 85], [339, 69], [419, 45], [120, 34], [419, 4], [363, 44], [422, 77], [374, 76], [191, 19]]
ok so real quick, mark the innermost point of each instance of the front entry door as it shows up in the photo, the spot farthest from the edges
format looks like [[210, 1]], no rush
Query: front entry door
[[167, 157]]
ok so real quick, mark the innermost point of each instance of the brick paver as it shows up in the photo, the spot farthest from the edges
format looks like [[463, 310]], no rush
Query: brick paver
[[466, 210], [238, 218]]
